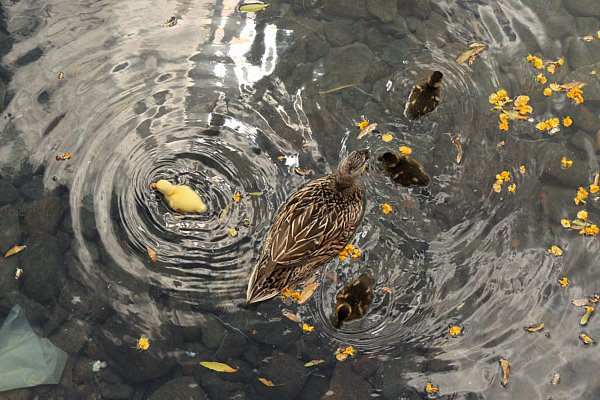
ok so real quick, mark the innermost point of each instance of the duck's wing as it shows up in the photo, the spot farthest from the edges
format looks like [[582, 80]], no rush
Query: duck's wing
[[308, 230]]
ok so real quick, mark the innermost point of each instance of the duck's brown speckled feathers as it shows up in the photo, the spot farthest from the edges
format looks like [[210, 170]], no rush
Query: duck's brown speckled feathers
[[354, 299], [424, 97], [404, 170], [310, 228]]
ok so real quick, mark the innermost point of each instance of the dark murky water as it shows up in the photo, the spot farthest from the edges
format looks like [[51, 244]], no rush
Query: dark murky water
[[212, 102]]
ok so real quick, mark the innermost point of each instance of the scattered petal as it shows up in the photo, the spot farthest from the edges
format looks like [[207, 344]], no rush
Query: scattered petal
[[232, 232], [535, 328], [143, 343], [567, 121], [237, 197], [343, 352], [306, 328], [455, 330], [431, 390], [586, 316], [266, 382], [582, 215], [61, 75], [14, 250], [63, 157], [564, 281], [566, 163], [387, 137], [387, 289], [217, 366], [505, 365], [362, 124], [541, 79], [286, 292], [405, 150], [547, 92], [296, 296], [555, 251], [565, 223], [512, 188], [386, 208], [522, 169]]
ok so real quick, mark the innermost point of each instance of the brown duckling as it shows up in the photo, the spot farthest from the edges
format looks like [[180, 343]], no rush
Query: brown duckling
[[424, 97], [404, 170], [313, 225], [354, 299]]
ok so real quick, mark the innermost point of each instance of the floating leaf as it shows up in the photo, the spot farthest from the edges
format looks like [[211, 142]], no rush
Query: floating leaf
[[366, 130], [313, 362], [266, 382], [579, 302], [14, 250], [310, 281], [588, 312], [255, 193], [471, 54], [535, 328], [217, 366], [588, 38], [291, 316], [570, 85], [152, 254], [585, 339], [505, 365], [302, 171], [253, 7], [308, 291]]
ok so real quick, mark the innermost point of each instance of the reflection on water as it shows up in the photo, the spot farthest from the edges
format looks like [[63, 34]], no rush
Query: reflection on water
[[214, 102]]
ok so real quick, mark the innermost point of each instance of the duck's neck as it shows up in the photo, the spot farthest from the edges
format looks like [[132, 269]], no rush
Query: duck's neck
[[345, 183]]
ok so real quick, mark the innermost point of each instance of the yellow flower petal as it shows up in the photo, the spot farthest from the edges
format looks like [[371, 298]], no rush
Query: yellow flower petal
[[555, 251], [594, 188], [565, 223], [512, 188], [306, 328], [522, 169], [387, 137], [362, 124], [455, 330], [582, 215], [566, 163], [237, 197], [386, 208], [547, 92], [567, 121], [405, 150], [564, 281], [143, 343]]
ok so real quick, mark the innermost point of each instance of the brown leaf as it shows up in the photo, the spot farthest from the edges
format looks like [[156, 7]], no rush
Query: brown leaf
[[588, 38], [308, 291], [217, 366], [152, 254], [302, 171], [387, 289], [291, 316], [471, 54], [368, 129], [309, 281], [266, 382], [579, 302], [535, 328], [14, 250], [505, 365], [571, 85]]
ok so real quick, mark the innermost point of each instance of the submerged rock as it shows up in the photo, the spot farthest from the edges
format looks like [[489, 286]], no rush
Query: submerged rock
[[184, 387], [8, 193]]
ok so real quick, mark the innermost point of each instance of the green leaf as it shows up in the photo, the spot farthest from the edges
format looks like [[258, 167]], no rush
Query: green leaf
[[253, 7]]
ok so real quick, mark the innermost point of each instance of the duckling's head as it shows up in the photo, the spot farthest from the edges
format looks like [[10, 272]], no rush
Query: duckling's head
[[342, 312], [435, 80], [351, 167], [165, 187]]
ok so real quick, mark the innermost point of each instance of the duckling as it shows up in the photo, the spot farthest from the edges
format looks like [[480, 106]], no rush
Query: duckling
[[180, 198], [310, 228], [404, 170], [354, 299], [424, 97]]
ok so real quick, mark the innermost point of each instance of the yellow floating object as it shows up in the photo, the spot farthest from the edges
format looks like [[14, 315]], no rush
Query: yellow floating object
[[217, 366], [180, 198], [253, 7]]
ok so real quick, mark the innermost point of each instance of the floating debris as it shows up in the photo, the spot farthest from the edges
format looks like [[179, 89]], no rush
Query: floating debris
[[266, 382], [349, 250], [143, 343], [555, 379], [455, 330], [18, 273], [253, 7], [505, 366], [386, 208], [313, 363], [565, 163], [63, 157], [98, 365], [291, 316], [14, 250], [387, 137], [585, 339], [237, 196], [61, 75], [369, 128], [535, 327], [387, 289], [588, 312], [339, 88], [308, 291], [151, 254], [431, 390], [344, 352], [456, 142], [306, 328], [255, 194], [171, 22], [564, 281], [555, 251], [471, 54], [302, 171], [217, 366], [232, 232]]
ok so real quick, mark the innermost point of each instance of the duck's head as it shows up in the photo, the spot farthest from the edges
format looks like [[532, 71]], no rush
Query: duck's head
[[351, 167], [435, 80], [342, 312], [164, 186]]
